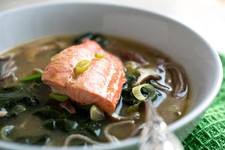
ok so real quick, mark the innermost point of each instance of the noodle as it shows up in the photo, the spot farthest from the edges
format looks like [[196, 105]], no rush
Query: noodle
[[180, 86], [8, 69], [80, 137], [110, 137], [161, 87]]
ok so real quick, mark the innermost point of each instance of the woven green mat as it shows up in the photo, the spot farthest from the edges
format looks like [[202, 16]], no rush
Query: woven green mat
[[210, 132]]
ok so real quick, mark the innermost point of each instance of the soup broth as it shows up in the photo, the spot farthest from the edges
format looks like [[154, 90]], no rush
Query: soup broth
[[30, 115]]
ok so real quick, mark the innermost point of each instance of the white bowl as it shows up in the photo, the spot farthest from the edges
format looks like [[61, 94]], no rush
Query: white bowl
[[182, 44]]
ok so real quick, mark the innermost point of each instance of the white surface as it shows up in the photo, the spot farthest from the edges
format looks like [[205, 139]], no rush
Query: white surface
[[188, 49], [207, 17]]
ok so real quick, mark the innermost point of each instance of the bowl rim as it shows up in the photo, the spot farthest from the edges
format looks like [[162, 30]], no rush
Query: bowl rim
[[173, 126]]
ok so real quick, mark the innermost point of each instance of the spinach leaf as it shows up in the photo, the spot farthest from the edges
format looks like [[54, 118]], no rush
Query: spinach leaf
[[15, 95], [50, 124], [63, 125], [66, 125], [128, 97], [131, 78], [48, 113], [134, 107], [99, 38], [94, 127]]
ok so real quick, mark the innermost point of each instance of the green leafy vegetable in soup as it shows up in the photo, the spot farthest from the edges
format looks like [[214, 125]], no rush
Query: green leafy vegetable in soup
[[37, 112]]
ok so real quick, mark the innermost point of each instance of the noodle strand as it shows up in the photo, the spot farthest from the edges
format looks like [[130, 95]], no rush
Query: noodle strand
[[110, 137], [80, 137]]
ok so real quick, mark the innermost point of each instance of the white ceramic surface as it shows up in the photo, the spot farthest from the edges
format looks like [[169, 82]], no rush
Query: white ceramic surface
[[137, 23]]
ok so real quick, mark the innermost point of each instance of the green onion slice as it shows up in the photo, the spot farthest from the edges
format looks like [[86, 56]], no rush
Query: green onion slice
[[96, 114], [6, 131], [138, 94], [32, 77], [98, 55], [18, 109], [81, 67], [58, 97]]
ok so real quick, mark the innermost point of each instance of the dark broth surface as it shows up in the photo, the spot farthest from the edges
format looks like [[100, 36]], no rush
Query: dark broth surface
[[44, 122]]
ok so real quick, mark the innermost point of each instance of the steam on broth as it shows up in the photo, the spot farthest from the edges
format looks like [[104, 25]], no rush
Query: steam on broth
[[31, 113]]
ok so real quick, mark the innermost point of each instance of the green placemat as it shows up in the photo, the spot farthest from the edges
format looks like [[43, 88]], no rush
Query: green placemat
[[210, 132]]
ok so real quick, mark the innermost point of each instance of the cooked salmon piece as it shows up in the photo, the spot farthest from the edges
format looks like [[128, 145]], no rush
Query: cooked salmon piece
[[101, 84]]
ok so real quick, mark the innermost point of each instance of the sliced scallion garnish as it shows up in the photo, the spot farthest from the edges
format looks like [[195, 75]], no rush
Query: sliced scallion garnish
[[81, 67], [137, 92], [96, 114], [32, 77], [18, 109], [6, 131], [58, 97], [98, 55]]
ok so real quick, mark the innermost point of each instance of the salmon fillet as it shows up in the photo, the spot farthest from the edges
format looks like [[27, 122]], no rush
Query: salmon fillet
[[101, 84]]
